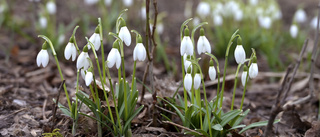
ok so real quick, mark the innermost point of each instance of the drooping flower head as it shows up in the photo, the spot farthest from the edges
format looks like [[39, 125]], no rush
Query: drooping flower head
[[197, 81], [43, 56], [70, 50], [239, 53], [83, 59], [114, 56], [188, 80], [253, 69], [43, 22], [203, 9], [203, 44], [51, 7], [124, 33], [139, 52], [127, 3], [244, 75], [186, 44], [294, 30], [186, 62], [212, 71], [300, 16], [89, 76], [95, 39]]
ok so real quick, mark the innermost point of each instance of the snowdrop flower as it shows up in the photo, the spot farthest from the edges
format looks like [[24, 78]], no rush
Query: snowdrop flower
[[313, 23], [188, 80], [203, 44], [70, 50], [217, 20], [186, 44], [239, 53], [203, 9], [160, 28], [294, 30], [143, 13], [89, 77], [265, 22], [300, 16], [139, 52], [253, 69], [238, 15], [197, 81], [90, 2], [83, 74], [95, 39], [83, 61], [114, 56], [43, 22], [51, 7], [212, 71], [107, 2], [186, 62], [43, 56], [244, 75], [253, 2], [127, 3], [124, 33]]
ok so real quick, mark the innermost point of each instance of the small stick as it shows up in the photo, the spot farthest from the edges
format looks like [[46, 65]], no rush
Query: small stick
[[56, 106]]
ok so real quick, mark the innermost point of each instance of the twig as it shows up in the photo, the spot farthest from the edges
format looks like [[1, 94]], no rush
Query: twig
[[185, 128], [144, 82], [285, 87], [56, 106]]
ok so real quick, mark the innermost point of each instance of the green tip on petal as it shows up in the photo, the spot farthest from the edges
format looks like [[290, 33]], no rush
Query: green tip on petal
[[201, 32], [122, 22], [245, 68], [71, 40], [45, 46], [116, 44], [97, 30], [139, 39], [211, 62], [85, 48], [189, 69], [254, 59], [186, 32], [239, 41]]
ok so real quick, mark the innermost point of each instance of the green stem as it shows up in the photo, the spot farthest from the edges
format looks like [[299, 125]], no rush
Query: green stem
[[244, 90], [133, 75], [198, 98], [184, 90], [75, 120], [125, 89], [235, 86], [99, 107]]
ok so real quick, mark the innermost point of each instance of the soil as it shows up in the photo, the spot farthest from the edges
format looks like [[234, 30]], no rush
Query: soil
[[27, 91]]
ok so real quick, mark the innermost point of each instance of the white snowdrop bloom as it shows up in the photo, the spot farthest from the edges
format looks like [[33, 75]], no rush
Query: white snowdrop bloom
[[186, 46], [43, 22], [230, 8], [203, 44], [88, 78], [90, 2], [313, 23], [107, 2], [125, 35], [197, 81], [217, 20], [186, 62], [139, 52], [212, 71], [51, 7], [243, 77], [277, 15], [238, 15], [70, 51], [83, 74], [83, 60], [160, 28], [43, 58], [265, 22], [253, 70], [253, 2], [239, 54], [294, 30], [143, 13], [114, 57], [95, 40], [127, 3], [203, 9], [300, 16], [187, 82]]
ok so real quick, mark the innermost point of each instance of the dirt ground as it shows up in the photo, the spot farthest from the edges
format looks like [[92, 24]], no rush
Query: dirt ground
[[27, 91]]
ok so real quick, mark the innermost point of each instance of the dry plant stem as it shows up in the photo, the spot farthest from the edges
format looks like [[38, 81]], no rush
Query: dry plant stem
[[277, 108], [56, 106]]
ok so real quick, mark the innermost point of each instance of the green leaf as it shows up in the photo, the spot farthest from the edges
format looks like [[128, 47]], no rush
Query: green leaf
[[64, 109], [239, 126], [239, 119], [192, 133], [227, 117], [177, 110], [258, 124], [128, 122], [217, 127], [202, 132]]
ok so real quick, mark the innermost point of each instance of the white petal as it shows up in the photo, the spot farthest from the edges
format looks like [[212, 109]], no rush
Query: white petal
[[125, 35], [141, 52], [187, 64], [51, 7], [189, 49], [203, 9], [203, 45], [43, 22], [239, 54], [294, 31], [127, 3], [39, 59], [88, 78], [83, 61], [200, 45], [86, 61], [183, 46], [111, 58], [300, 16], [243, 77], [197, 81], [83, 74], [135, 50], [73, 52], [118, 59], [207, 45], [67, 51], [253, 70], [43, 58], [188, 82], [212, 73], [95, 40]]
